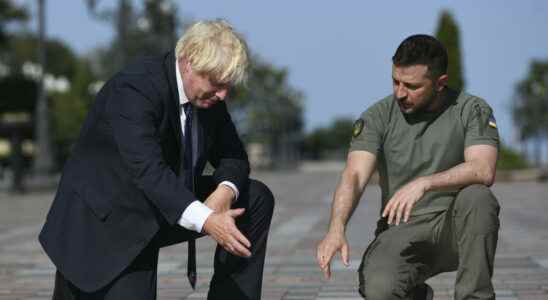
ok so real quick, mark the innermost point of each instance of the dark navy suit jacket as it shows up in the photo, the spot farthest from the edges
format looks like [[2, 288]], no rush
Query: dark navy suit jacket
[[124, 179]]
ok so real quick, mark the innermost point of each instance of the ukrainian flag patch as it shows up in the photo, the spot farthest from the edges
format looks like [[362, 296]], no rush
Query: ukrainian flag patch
[[492, 122]]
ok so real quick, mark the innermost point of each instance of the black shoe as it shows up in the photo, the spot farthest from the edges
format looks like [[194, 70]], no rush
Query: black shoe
[[423, 292]]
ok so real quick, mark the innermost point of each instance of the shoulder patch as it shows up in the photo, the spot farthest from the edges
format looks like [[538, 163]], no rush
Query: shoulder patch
[[358, 127], [492, 121]]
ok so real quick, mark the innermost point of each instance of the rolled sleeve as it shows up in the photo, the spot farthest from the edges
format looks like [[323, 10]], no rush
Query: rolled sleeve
[[480, 126], [367, 132]]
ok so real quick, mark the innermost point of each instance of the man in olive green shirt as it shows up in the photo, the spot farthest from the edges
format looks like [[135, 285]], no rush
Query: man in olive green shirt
[[435, 150]]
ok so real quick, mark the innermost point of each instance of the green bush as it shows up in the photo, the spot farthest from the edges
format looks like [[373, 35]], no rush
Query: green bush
[[510, 160]]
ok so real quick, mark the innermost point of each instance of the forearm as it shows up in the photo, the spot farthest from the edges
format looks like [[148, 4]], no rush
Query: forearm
[[347, 197], [466, 173]]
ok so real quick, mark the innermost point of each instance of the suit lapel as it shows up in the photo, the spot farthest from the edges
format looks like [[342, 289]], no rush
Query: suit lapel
[[174, 113]]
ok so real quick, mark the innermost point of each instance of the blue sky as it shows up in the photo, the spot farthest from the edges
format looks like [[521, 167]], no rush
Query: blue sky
[[338, 52]]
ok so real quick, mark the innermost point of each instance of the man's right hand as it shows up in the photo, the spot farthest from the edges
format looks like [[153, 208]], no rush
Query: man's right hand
[[333, 242], [221, 226]]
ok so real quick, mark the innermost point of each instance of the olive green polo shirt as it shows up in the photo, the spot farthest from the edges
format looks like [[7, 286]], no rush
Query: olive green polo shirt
[[408, 146]]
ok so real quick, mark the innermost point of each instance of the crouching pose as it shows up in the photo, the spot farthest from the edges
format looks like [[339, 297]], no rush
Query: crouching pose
[[435, 150], [133, 183]]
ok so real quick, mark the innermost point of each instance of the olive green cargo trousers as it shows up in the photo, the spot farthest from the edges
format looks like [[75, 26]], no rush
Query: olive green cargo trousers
[[462, 238]]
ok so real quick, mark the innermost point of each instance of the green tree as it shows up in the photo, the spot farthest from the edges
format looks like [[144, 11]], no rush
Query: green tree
[[9, 12], [329, 142], [269, 111], [449, 34], [530, 110], [12, 83], [67, 88], [69, 108], [149, 31], [510, 160], [61, 59]]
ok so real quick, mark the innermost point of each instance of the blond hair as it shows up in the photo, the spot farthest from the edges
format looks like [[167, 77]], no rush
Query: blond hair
[[213, 48]]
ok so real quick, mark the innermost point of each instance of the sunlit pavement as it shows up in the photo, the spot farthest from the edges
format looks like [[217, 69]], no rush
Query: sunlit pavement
[[300, 220]]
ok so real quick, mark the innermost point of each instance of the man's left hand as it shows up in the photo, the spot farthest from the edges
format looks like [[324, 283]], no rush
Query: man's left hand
[[401, 204]]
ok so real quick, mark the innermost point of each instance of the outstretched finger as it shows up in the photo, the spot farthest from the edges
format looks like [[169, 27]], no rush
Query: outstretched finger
[[407, 213], [345, 254], [319, 256], [324, 257], [236, 212], [239, 249], [392, 213], [387, 208], [240, 237], [399, 213], [327, 271]]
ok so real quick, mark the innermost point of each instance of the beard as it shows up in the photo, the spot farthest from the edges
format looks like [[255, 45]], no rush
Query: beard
[[424, 106], [428, 103]]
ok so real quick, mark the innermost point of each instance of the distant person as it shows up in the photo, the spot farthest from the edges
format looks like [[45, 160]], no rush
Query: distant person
[[435, 150], [133, 183]]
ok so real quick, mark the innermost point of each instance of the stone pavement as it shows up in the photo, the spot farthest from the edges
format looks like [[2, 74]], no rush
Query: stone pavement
[[300, 221]]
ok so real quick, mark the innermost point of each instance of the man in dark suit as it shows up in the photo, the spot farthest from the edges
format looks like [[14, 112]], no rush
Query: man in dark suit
[[133, 184]]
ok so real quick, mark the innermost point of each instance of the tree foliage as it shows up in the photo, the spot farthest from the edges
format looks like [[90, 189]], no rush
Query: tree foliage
[[20, 89], [67, 107], [150, 30], [530, 110], [9, 12], [510, 160], [449, 34], [268, 110], [329, 142], [17, 94], [61, 59]]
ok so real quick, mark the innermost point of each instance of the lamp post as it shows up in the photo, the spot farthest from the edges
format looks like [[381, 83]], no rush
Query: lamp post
[[43, 158]]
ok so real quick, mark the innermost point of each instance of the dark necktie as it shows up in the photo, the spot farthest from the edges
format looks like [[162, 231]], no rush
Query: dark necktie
[[189, 178], [188, 147]]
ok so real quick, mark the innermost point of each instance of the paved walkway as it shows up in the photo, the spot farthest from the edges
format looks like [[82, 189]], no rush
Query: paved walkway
[[300, 221]]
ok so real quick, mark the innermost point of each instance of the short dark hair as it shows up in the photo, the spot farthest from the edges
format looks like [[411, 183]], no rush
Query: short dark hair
[[422, 49]]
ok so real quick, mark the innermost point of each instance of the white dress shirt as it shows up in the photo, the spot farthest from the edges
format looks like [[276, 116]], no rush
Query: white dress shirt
[[195, 215]]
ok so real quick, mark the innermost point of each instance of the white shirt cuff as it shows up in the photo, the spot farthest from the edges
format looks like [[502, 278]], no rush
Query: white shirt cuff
[[194, 216], [233, 187]]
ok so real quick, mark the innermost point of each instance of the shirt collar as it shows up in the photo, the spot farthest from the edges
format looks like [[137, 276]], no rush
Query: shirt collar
[[180, 88]]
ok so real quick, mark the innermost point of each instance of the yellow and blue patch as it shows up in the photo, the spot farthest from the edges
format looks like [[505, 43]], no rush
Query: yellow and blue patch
[[492, 122]]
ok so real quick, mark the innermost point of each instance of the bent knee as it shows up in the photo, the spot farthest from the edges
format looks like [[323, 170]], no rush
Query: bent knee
[[380, 286], [260, 191], [478, 209], [475, 189], [477, 197], [378, 282]]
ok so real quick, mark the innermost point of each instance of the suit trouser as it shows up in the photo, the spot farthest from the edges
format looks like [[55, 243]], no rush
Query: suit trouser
[[463, 238], [234, 277]]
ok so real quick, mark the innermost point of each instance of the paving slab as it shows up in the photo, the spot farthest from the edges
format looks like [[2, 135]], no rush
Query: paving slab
[[300, 220]]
